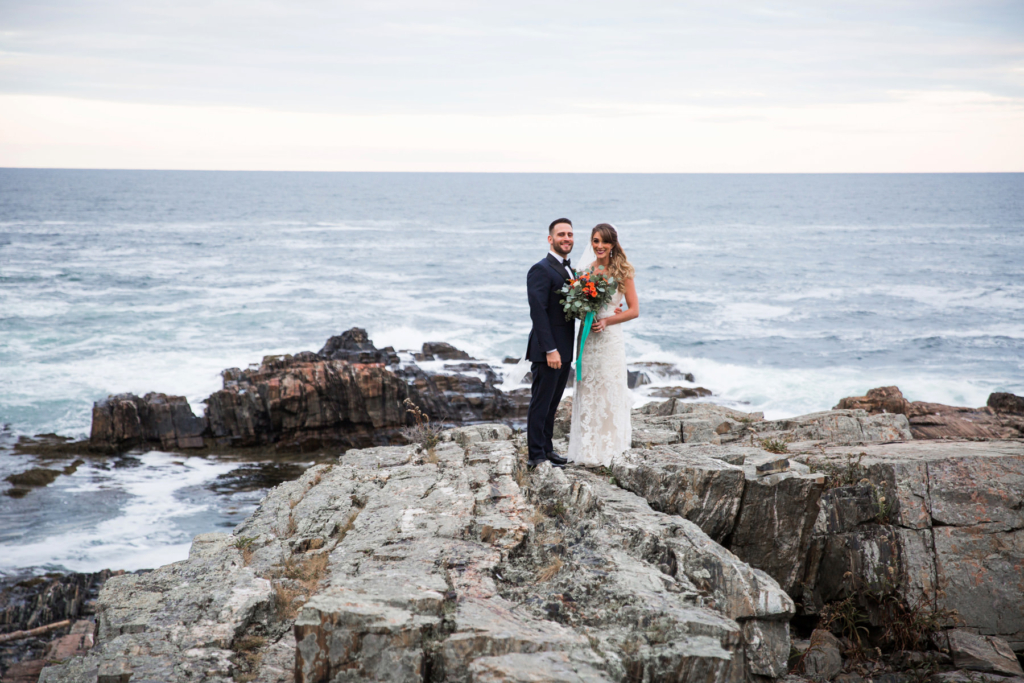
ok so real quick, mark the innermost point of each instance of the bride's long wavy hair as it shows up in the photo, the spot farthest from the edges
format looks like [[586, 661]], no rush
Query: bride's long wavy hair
[[619, 266]]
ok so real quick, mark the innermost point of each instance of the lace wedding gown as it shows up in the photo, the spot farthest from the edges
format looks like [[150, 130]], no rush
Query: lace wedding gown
[[601, 401]]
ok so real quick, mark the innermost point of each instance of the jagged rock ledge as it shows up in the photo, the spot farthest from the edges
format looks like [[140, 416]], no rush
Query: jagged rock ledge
[[685, 562], [455, 564]]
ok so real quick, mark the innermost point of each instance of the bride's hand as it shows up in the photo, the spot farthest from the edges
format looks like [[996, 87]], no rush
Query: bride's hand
[[598, 326]]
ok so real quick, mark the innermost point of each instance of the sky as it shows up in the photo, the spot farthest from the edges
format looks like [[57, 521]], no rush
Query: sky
[[396, 85]]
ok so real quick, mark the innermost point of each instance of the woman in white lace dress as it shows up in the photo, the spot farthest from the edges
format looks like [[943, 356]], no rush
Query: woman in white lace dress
[[601, 400]]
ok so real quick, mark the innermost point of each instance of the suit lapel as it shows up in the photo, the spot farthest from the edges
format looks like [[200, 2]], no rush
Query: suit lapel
[[557, 266]]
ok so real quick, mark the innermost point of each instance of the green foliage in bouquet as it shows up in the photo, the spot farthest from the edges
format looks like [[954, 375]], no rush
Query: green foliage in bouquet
[[588, 293]]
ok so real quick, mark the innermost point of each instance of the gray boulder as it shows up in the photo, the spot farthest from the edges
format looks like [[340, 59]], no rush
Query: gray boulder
[[938, 522], [981, 653], [837, 427], [823, 660]]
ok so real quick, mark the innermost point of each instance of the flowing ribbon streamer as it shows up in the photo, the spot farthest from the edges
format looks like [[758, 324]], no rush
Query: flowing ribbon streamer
[[587, 322]]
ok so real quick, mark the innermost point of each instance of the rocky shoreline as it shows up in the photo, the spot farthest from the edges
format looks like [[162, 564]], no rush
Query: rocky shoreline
[[690, 559], [880, 541]]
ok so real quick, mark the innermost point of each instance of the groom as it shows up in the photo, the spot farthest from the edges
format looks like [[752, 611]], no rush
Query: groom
[[551, 341]]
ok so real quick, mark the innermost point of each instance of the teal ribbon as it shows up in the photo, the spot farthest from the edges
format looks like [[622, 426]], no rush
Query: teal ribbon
[[587, 322]]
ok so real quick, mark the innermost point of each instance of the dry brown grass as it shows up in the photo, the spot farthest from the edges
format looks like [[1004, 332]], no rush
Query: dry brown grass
[[319, 477], [549, 572], [342, 531], [250, 661], [552, 538], [303, 576], [307, 570], [293, 526], [244, 544], [520, 474], [284, 601], [248, 643]]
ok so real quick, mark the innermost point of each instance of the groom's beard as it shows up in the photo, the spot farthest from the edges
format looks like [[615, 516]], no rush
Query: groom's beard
[[558, 250]]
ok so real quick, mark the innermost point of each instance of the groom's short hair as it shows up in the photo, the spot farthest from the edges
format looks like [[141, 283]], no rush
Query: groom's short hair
[[556, 222]]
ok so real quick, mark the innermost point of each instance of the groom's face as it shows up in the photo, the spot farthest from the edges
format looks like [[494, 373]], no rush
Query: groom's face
[[560, 239]]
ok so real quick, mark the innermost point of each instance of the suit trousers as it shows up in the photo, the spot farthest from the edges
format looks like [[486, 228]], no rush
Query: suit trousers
[[545, 394]]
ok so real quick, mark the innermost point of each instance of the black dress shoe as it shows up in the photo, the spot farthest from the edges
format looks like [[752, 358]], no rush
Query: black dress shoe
[[557, 460], [533, 463]]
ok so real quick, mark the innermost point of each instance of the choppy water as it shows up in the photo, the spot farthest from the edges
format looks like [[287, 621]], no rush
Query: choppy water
[[780, 293]]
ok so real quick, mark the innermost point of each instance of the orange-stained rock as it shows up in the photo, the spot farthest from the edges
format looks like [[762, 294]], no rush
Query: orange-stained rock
[[308, 405], [880, 400], [77, 642], [350, 394], [1003, 418]]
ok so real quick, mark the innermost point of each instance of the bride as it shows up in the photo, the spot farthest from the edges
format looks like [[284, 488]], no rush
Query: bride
[[601, 401]]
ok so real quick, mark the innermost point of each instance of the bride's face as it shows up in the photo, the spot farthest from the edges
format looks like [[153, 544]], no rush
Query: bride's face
[[602, 249]]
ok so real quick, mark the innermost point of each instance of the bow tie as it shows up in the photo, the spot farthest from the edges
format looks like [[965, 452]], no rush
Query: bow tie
[[565, 262]]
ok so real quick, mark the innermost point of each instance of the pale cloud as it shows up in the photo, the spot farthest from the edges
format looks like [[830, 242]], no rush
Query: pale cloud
[[596, 86], [917, 132]]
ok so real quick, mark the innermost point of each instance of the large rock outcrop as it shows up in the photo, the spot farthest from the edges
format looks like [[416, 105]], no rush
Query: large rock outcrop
[[765, 519], [349, 394], [455, 564], [934, 524], [1002, 418], [306, 404], [930, 524], [124, 421]]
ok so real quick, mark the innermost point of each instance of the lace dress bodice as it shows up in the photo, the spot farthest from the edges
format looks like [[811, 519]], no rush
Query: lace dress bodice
[[601, 402], [608, 309]]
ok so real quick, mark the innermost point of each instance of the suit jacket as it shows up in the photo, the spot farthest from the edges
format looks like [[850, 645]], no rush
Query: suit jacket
[[550, 328]]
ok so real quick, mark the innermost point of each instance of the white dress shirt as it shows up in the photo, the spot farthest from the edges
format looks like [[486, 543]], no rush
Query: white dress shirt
[[560, 260], [567, 270]]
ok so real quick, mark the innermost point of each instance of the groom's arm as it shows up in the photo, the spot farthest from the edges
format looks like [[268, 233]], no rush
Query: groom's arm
[[537, 284]]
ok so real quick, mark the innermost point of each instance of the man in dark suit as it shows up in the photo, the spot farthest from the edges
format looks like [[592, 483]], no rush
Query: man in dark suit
[[550, 348]]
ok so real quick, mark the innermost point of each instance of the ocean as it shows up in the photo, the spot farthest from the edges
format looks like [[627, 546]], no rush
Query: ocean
[[780, 293]]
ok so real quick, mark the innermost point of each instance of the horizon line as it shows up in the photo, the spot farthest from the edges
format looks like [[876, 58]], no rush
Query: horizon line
[[262, 170]]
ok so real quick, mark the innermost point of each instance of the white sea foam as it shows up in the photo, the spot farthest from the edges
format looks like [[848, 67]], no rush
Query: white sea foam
[[787, 392], [144, 533]]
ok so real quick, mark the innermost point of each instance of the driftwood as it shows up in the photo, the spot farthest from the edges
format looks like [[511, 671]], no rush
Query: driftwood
[[18, 635]]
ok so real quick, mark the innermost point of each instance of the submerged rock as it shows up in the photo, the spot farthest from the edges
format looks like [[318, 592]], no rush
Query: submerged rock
[[37, 476]]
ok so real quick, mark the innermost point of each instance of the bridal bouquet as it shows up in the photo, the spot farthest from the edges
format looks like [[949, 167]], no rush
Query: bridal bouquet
[[585, 295]]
